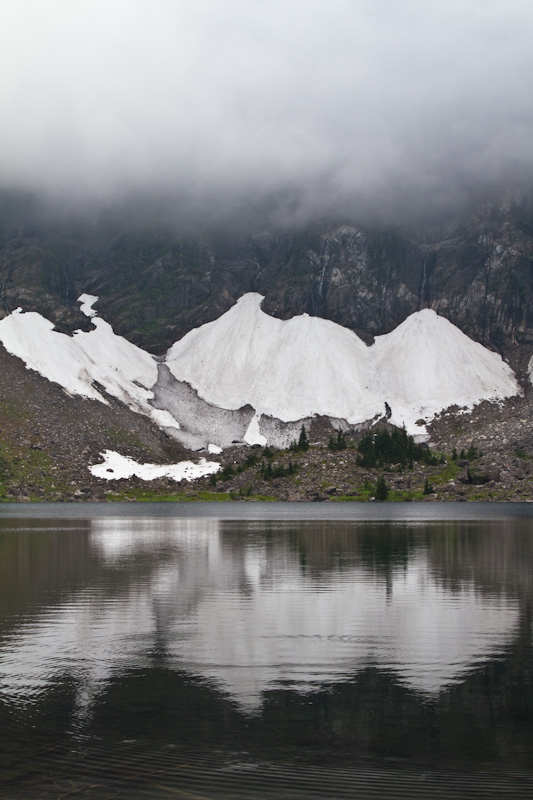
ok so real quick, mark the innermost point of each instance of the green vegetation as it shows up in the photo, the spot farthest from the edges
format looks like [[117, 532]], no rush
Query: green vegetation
[[428, 488], [382, 490], [338, 442], [6, 468], [142, 495], [449, 473], [381, 448], [30, 470], [369, 490], [267, 471], [228, 472], [519, 453], [469, 455], [223, 475], [302, 444]]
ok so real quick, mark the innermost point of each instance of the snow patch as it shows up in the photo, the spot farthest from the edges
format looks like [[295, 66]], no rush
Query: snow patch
[[87, 302], [253, 435], [214, 449], [116, 466]]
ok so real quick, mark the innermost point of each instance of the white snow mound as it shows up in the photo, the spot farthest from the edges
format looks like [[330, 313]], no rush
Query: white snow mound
[[309, 366], [289, 370], [77, 362], [286, 369], [427, 364]]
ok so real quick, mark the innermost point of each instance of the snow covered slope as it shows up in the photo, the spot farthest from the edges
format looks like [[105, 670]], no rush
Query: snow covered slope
[[427, 364], [287, 370], [77, 362], [306, 366]]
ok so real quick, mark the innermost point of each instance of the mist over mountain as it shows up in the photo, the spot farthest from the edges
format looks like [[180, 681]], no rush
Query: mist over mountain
[[287, 113], [356, 161]]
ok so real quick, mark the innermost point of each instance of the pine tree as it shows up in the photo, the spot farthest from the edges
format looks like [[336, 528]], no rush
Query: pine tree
[[382, 490], [471, 453], [338, 442], [303, 441]]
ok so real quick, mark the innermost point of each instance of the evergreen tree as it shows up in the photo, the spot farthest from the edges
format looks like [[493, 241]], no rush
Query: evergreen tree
[[382, 490], [302, 444], [303, 441], [381, 448], [428, 488], [472, 453], [338, 442]]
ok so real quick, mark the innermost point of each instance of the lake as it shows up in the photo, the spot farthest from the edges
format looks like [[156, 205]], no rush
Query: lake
[[245, 650]]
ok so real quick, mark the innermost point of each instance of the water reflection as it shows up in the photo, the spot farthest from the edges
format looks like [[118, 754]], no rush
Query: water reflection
[[255, 607]]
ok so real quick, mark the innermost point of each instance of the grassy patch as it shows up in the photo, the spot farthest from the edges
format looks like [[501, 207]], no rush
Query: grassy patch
[[519, 453], [32, 471], [404, 495], [10, 411], [150, 496], [394, 496], [449, 473]]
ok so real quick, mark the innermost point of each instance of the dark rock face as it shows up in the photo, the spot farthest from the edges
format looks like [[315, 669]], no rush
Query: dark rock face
[[480, 476], [156, 284]]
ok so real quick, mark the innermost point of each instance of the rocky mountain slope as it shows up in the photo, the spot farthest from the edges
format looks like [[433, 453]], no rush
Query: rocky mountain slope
[[68, 435], [156, 282]]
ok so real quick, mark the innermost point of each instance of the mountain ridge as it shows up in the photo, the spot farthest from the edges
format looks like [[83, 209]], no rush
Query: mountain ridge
[[157, 281]]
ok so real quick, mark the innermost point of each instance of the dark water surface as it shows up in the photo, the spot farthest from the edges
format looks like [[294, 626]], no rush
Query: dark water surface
[[266, 650]]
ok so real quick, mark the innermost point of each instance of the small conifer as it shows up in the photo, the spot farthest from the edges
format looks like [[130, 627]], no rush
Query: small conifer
[[303, 441], [382, 490]]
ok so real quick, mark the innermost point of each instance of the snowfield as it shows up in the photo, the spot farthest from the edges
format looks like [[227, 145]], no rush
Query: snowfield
[[282, 370], [78, 362], [307, 366]]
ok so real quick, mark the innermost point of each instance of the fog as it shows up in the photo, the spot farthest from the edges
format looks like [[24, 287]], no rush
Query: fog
[[304, 108]]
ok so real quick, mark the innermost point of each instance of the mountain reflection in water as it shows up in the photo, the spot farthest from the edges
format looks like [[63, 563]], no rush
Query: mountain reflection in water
[[329, 631]]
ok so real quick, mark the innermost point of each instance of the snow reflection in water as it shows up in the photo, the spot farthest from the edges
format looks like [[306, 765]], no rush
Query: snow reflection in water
[[244, 612]]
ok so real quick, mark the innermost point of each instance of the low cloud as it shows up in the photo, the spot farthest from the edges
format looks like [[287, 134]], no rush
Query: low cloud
[[307, 108]]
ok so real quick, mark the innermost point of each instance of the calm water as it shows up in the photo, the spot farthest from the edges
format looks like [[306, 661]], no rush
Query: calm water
[[279, 651]]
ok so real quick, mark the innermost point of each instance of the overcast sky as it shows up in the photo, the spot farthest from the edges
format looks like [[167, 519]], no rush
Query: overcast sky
[[344, 103]]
